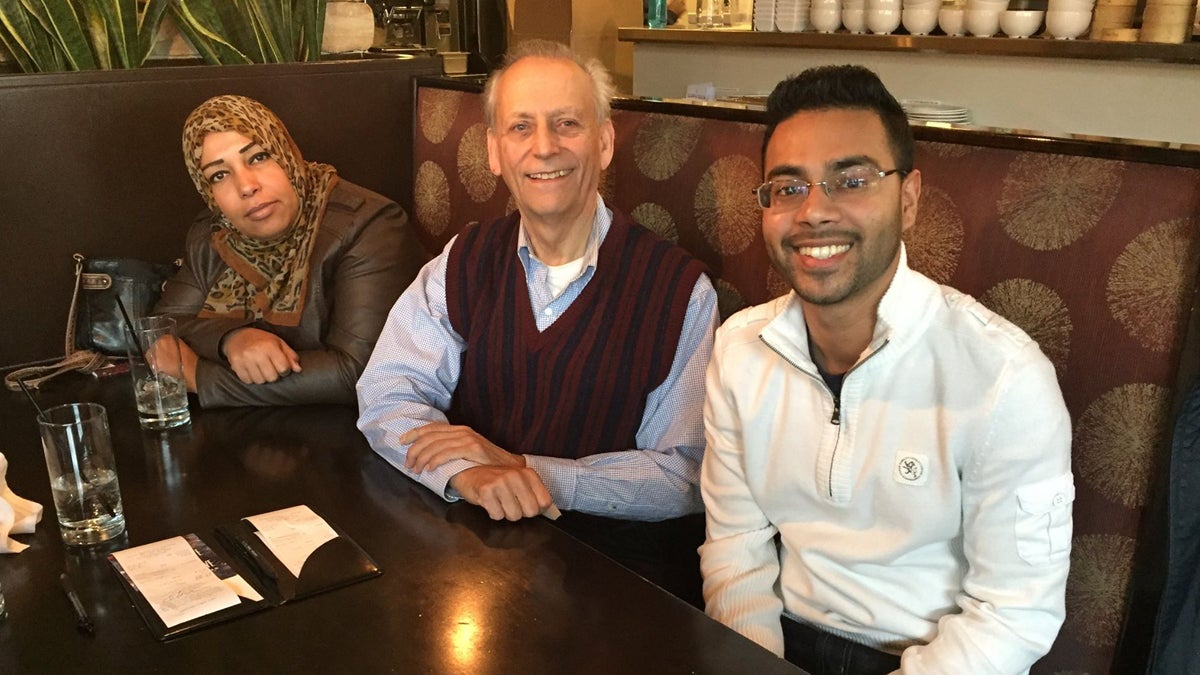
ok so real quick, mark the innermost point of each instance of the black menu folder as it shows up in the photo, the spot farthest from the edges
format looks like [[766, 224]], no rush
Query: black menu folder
[[335, 563]]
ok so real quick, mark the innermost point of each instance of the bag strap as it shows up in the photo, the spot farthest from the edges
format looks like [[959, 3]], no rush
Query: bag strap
[[33, 376], [83, 360], [69, 346]]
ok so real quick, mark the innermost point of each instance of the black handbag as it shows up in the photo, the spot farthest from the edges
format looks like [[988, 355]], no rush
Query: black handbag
[[98, 324], [96, 331]]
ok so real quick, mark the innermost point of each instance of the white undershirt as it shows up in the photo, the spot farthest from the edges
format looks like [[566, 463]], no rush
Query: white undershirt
[[558, 276]]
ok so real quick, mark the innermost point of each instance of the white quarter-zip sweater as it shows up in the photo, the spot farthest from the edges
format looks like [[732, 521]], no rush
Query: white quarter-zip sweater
[[927, 513]]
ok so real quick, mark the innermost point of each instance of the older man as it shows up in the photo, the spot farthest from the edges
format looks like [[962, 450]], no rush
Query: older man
[[554, 357], [888, 479]]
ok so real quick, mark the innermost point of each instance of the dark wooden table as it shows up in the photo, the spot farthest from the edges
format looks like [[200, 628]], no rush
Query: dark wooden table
[[459, 593]]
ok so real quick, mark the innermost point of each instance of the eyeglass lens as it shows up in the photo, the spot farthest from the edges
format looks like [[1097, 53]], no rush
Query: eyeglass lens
[[780, 192]]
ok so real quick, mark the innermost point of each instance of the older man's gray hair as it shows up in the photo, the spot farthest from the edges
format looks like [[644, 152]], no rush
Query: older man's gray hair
[[602, 85]]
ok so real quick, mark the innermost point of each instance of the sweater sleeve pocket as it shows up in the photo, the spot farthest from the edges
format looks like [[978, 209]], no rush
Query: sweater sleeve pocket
[[1043, 522]]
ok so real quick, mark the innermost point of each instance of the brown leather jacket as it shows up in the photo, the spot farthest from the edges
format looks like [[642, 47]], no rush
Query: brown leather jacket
[[365, 255]]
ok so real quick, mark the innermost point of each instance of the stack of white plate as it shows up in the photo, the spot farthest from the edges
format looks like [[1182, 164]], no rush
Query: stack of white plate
[[764, 15], [791, 16], [936, 111]]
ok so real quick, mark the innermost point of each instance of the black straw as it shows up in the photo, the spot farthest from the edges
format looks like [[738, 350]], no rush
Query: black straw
[[137, 344], [38, 408]]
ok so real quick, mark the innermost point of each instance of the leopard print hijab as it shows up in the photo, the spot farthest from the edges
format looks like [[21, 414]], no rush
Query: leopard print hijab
[[265, 279]]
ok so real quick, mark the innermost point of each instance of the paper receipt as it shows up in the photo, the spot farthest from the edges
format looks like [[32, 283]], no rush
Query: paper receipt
[[292, 534], [173, 579]]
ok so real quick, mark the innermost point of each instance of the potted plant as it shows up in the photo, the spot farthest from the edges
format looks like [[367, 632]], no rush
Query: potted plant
[[54, 35]]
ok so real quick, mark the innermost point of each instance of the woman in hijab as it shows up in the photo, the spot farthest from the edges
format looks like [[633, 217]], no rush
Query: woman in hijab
[[289, 276]]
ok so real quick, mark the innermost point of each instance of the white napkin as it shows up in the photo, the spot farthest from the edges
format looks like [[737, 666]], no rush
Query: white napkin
[[17, 515]]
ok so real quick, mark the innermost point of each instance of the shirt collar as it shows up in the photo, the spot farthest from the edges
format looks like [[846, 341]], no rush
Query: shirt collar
[[601, 223]]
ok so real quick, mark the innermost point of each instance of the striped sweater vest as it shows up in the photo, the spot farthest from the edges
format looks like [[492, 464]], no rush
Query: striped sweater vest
[[579, 387]]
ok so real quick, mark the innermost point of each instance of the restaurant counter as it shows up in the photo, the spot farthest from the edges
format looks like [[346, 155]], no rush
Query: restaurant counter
[[458, 594]]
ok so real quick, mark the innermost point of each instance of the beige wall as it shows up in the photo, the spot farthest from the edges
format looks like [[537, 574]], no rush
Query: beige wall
[[588, 26]]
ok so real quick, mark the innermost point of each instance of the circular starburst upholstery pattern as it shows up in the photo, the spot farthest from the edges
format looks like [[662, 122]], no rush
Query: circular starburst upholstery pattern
[[1049, 201], [1150, 282], [1100, 569], [657, 219], [776, 285], [472, 160], [437, 111], [725, 210], [432, 198], [935, 242], [608, 185], [1039, 311], [729, 300], [1117, 438], [663, 144]]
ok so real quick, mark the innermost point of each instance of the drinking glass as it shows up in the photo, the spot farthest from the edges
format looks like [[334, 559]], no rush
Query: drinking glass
[[157, 369], [83, 474]]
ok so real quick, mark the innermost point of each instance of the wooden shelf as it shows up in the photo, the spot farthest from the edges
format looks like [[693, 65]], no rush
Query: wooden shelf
[[1039, 47]]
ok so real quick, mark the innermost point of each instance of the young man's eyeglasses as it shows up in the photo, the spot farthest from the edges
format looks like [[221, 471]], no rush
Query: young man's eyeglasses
[[789, 193]]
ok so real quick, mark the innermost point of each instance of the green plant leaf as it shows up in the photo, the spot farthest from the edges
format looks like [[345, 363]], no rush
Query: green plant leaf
[[97, 30], [63, 24], [200, 23], [25, 39], [149, 20], [80, 34], [257, 31], [266, 28], [314, 27]]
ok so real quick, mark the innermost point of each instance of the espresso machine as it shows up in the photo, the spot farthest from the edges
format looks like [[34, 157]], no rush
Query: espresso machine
[[401, 25], [477, 27]]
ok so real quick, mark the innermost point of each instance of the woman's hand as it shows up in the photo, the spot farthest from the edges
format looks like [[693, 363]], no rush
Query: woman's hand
[[189, 359], [161, 356], [257, 356]]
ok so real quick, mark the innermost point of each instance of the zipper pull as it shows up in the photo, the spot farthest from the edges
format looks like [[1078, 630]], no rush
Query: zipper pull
[[836, 420]]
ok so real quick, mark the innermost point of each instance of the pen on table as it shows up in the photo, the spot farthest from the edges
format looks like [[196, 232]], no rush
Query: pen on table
[[82, 621]]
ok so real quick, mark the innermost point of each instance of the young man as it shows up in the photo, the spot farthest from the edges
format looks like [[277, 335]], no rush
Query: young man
[[555, 356], [908, 448]]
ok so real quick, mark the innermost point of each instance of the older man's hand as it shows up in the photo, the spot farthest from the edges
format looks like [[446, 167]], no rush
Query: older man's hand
[[436, 443], [505, 492]]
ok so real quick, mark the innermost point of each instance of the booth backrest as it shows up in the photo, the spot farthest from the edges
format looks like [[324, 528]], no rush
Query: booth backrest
[[1095, 258], [92, 163]]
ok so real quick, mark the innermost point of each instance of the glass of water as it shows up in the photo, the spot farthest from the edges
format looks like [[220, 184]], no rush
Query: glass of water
[[83, 474], [157, 370]]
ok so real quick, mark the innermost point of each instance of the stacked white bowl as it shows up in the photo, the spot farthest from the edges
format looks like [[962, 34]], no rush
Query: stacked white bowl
[[1068, 19], [1021, 23], [883, 16], [854, 15], [951, 19], [920, 17], [764, 15], [983, 16], [791, 16], [826, 15]]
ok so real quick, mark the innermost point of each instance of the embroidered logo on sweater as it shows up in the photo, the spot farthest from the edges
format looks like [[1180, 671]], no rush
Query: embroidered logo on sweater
[[911, 468]]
